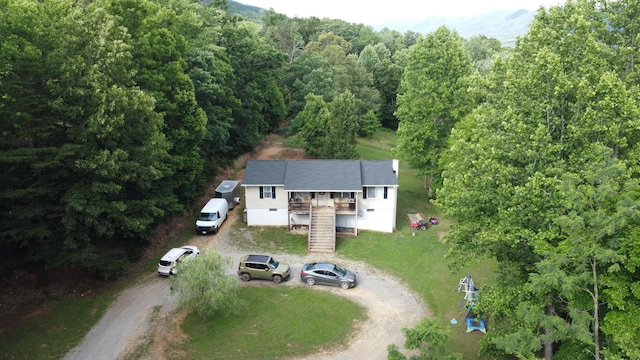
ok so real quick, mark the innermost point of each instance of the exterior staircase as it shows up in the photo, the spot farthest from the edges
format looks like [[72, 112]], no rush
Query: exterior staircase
[[322, 230]]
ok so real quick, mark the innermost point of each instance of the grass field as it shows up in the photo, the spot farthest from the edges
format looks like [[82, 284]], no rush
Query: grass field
[[419, 260], [279, 322]]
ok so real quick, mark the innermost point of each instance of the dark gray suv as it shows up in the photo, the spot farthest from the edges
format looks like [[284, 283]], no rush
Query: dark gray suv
[[263, 267]]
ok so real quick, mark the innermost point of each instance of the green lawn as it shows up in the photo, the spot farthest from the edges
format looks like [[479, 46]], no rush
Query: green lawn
[[419, 260], [57, 327], [279, 322]]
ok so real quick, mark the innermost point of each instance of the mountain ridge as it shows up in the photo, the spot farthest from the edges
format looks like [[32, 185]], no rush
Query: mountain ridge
[[504, 25]]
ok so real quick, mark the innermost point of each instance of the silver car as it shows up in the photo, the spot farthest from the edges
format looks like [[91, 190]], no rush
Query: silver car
[[327, 274]]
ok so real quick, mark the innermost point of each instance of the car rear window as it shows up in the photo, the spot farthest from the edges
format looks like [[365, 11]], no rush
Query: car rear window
[[165, 263]]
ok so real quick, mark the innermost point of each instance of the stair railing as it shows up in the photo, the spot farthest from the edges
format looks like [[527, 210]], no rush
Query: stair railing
[[310, 223]]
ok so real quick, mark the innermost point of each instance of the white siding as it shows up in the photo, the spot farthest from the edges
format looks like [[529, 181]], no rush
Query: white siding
[[253, 201], [378, 214], [266, 211], [267, 217]]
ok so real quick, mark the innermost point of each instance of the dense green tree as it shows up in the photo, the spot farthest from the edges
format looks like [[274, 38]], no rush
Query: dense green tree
[[327, 67], [108, 208], [109, 110], [410, 38], [395, 41], [336, 50], [310, 73], [366, 96], [312, 124], [431, 99], [329, 129], [542, 178], [386, 79], [282, 33], [308, 27], [358, 35], [31, 140], [342, 128], [256, 65], [368, 58], [159, 49], [213, 80], [482, 49], [204, 285], [91, 147], [371, 55]]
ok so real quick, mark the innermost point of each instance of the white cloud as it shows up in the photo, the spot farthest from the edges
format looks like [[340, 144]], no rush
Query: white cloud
[[373, 12]]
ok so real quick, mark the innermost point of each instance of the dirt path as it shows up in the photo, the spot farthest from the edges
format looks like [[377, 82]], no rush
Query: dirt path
[[143, 322]]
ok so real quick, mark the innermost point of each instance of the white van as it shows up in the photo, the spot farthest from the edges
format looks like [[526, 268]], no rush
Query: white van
[[170, 260], [212, 216]]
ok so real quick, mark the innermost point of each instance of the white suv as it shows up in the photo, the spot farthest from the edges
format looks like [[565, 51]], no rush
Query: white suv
[[168, 263]]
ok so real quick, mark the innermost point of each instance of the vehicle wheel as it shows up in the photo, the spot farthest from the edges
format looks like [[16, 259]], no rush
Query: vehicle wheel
[[311, 281], [215, 231], [245, 277], [344, 285], [277, 279]]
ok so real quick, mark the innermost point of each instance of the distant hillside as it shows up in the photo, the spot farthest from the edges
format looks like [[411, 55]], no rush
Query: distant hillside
[[504, 25], [248, 12]]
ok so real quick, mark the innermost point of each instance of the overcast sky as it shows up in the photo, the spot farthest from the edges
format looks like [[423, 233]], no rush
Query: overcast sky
[[372, 12]]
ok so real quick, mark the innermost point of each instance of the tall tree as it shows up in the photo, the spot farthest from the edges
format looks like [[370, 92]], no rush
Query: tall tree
[[342, 128], [386, 78], [312, 124], [329, 129], [431, 99]]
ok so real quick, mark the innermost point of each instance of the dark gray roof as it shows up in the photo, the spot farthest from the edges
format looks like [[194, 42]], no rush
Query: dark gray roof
[[264, 172], [320, 175], [378, 173], [323, 175]]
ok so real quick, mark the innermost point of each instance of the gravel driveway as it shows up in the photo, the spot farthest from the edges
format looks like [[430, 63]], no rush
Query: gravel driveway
[[132, 319]]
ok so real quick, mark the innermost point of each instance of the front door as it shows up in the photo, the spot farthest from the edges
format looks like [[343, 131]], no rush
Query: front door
[[322, 198]]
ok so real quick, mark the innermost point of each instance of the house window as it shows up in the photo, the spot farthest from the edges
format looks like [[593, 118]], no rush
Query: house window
[[300, 196], [375, 193], [342, 195], [267, 192]]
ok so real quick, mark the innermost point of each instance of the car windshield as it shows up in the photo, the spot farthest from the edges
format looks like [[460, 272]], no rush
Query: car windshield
[[340, 271], [207, 216], [273, 263]]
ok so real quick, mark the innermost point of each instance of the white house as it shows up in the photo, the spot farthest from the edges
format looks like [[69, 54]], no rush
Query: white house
[[356, 194]]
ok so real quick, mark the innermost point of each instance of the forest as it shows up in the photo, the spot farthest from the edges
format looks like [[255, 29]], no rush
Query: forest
[[116, 113]]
